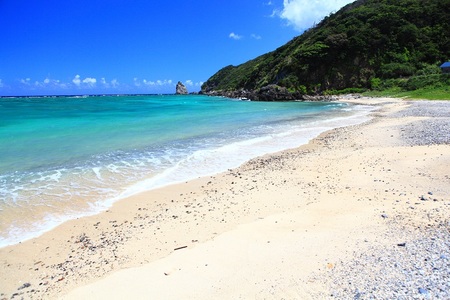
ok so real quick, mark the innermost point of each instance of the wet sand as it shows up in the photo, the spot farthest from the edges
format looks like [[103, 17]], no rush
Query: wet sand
[[281, 225]]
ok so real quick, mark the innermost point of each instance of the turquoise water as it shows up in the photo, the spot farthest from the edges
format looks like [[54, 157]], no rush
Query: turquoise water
[[64, 157]]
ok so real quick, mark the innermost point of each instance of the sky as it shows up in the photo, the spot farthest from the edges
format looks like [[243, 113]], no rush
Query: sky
[[54, 47]]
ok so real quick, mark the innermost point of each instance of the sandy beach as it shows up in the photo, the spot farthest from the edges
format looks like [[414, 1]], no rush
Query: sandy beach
[[359, 212]]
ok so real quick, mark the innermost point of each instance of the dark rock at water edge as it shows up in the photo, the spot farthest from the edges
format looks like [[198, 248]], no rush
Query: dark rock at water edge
[[181, 89], [270, 92]]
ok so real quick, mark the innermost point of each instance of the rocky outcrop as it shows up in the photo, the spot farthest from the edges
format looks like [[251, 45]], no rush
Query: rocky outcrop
[[181, 89], [270, 92]]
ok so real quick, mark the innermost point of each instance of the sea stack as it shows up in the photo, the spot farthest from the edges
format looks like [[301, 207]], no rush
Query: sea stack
[[181, 89]]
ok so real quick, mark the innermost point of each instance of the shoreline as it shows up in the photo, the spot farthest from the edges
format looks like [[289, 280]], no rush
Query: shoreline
[[177, 173], [294, 189]]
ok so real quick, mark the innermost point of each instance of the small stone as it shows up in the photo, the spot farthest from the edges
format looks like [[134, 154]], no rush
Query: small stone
[[384, 216], [401, 244], [430, 193], [24, 286]]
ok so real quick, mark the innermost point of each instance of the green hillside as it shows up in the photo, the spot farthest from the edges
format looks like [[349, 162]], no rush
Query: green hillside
[[359, 47]]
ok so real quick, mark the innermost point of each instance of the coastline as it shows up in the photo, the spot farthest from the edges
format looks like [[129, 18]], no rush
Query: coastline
[[281, 217], [89, 184]]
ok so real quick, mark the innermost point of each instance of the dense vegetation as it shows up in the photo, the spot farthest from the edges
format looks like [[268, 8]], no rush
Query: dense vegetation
[[369, 44], [429, 86]]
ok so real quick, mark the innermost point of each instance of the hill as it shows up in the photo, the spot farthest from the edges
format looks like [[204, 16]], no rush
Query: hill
[[358, 47]]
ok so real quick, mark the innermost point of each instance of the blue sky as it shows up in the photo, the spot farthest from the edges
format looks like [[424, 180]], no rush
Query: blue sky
[[52, 47]]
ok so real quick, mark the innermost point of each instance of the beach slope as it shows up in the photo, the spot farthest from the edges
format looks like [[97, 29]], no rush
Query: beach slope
[[360, 211]]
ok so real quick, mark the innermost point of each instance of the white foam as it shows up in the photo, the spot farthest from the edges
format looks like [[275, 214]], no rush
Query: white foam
[[207, 162], [96, 170]]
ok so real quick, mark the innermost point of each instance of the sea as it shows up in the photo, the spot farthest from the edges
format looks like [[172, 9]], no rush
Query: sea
[[66, 157]]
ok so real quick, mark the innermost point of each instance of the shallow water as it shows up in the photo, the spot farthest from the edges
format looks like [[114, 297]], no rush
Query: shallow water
[[65, 157]]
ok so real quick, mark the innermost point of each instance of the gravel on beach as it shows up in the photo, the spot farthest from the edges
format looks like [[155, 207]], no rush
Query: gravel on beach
[[434, 126], [418, 265]]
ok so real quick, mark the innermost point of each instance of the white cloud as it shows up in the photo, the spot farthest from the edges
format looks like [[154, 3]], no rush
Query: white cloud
[[256, 37], [87, 82], [54, 82], [191, 83], [104, 83], [302, 14], [46, 83], [77, 80], [114, 83], [235, 36], [275, 13], [146, 82], [25, 81], [90, 81], [164, 82]]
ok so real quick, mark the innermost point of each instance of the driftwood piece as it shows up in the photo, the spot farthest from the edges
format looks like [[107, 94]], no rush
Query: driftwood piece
[[182, 247]]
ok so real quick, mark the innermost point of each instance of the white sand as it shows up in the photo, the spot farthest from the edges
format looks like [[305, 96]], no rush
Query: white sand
[[269, 229]]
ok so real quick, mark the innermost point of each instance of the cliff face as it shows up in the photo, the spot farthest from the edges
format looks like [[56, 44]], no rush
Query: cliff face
[[363, 43], [181, 89]]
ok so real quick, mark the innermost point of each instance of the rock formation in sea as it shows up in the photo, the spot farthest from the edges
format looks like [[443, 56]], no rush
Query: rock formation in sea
[[181, 89]]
